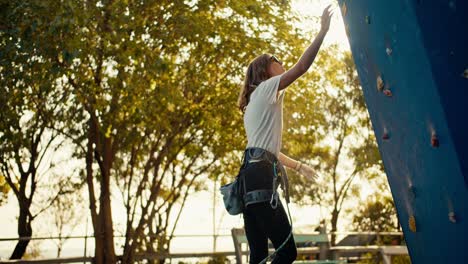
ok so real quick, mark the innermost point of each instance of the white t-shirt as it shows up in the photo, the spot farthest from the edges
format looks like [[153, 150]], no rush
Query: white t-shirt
[[263, 117]]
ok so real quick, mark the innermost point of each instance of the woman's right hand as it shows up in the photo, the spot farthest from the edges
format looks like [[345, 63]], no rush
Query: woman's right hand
[[326, 18], [308, 172]]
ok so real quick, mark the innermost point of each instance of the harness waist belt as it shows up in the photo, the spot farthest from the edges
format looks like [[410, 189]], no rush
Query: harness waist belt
[[257, 196], [257, 154]]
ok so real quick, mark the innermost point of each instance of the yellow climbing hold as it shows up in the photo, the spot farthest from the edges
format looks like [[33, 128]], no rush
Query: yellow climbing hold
[[412, 223], [380, 83]]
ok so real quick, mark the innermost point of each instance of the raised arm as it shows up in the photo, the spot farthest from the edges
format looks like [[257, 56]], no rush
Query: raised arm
[[304, 63]]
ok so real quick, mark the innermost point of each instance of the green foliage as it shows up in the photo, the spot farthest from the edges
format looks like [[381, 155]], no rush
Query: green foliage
[[4, 190], [31, 103], [321, 107], [378, 213], [328, 127], [401, 260], [218, 260], [375, 258], [152, 85], [34, 251]]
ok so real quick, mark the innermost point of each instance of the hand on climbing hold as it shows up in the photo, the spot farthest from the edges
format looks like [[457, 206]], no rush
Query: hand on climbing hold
[[326, 18], [308, 172]]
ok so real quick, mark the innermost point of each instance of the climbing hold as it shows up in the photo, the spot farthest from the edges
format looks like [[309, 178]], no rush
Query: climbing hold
[[344, 9], [385, 135], [412, 223], [388, 93], [347, 30], [465, 73], [389, 51], [434, 140], [380, 83], [367, 19], [452, 217]]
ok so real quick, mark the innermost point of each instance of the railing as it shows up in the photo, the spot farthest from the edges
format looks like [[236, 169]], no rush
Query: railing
[[386, 251], [145, 256]]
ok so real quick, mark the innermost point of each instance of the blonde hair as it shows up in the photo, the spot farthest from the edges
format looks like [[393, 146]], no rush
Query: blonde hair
[[257, 72]]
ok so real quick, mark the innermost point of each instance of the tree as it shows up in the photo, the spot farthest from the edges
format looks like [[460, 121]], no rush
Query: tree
[[66, 215], [29, 104], [198, 126], [330, 115], [377, 214]]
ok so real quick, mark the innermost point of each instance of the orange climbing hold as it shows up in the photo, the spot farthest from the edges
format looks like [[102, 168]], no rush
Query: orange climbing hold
[[434, 140], [412, 223]]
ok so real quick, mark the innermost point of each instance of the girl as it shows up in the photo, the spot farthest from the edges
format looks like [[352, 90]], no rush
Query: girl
[[261, 101]]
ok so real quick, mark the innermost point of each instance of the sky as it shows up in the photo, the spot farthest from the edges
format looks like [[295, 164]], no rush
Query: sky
[[197, 217]]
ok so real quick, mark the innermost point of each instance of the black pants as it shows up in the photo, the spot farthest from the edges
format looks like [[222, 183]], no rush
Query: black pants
[[263, 222]]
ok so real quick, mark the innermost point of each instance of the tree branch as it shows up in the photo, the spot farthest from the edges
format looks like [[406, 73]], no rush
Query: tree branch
[[346, 190], [8, 178]]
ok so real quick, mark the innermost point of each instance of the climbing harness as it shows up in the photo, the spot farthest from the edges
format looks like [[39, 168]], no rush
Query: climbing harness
[[257, 196]]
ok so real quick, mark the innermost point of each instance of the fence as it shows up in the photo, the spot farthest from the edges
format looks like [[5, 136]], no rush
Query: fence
[[338, 251]]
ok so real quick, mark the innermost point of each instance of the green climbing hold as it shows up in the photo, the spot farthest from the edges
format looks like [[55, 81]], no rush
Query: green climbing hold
[[367, 19]]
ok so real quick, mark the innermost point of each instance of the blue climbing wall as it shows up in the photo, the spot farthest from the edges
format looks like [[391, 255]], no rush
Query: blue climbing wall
[[412, 60]]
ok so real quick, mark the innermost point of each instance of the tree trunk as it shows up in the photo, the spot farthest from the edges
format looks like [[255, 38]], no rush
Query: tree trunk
[[334, 224], [105, 218], [99, 248], [98, 240], [24, 229], [59, 249], [105, 210]]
